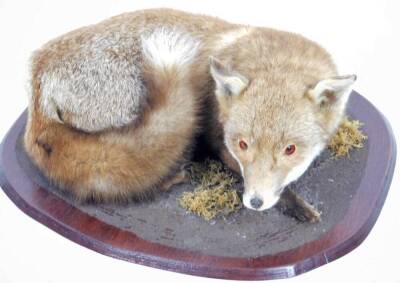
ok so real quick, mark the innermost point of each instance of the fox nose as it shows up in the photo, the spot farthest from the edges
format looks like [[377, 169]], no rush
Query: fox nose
[[256, 202]]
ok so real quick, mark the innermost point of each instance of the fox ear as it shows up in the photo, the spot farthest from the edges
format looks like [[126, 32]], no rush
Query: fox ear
[[333, 91], [227, 81]]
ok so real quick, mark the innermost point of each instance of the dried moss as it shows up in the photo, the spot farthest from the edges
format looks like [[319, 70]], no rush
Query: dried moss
[[347, 137], [214, 194]]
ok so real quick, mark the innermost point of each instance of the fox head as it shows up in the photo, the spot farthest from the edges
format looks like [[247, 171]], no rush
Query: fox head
[[275, 125]]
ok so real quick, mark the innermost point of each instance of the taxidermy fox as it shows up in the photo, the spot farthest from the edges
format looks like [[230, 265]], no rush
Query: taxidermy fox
[[115, 107]]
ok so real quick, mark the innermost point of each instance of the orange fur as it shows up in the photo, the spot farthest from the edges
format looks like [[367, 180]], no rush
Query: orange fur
[[116, 164]]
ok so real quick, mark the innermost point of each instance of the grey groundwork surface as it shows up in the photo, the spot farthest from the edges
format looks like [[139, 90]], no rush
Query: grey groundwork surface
[[329, 184]]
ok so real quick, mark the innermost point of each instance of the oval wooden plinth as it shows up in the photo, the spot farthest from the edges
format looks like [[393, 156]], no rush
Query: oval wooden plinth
[[97, 234]]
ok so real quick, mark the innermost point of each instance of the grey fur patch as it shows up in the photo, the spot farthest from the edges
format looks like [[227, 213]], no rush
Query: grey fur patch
[[100, 86]]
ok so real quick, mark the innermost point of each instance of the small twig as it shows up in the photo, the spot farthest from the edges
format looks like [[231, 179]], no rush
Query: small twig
[[295, 206]]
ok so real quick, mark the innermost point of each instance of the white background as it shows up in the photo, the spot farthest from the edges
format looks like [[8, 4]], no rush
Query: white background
[[363, 37]]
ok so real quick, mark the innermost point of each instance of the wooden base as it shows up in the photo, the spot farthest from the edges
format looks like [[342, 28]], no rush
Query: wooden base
[[93, 232]]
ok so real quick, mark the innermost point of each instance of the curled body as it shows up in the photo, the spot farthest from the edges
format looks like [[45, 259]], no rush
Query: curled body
[[115, 106]]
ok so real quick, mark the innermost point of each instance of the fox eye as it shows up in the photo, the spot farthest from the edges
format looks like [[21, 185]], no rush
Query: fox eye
[[290, 149], [242, 145]]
